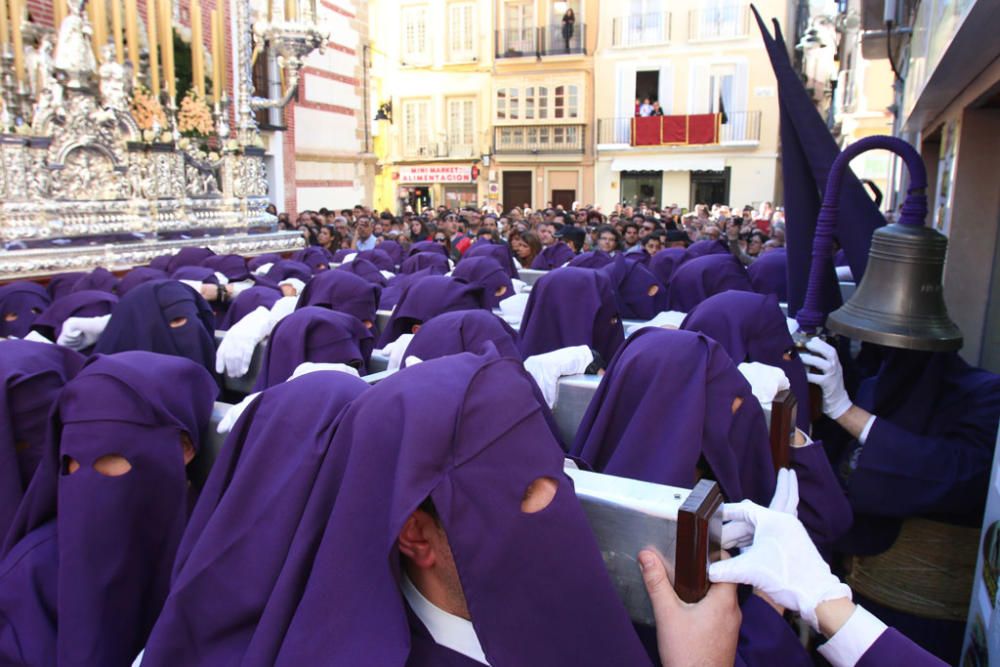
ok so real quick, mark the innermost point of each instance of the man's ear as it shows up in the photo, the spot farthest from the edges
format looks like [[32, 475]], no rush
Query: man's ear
[[188, 448], [414, 542], [415, 328]]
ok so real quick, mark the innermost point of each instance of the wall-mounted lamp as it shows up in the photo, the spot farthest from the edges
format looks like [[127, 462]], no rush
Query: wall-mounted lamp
[[384, 112]]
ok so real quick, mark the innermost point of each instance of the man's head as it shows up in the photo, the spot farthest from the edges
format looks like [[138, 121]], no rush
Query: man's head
[[364, 228], [630, 234], [653, 244], [546, 233], [573, 237], [608, 239]]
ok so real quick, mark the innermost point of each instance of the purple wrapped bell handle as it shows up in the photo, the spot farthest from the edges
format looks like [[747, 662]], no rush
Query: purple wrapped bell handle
[[810, 317]]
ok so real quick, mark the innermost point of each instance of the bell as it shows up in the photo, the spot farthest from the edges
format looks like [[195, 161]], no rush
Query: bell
[[900, 301]]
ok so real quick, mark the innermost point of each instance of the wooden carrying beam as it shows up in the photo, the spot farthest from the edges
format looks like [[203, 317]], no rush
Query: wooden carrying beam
[[784, 409]]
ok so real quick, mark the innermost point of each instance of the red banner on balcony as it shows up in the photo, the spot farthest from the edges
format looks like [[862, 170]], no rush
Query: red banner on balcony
[[646, 131], [697, 129]]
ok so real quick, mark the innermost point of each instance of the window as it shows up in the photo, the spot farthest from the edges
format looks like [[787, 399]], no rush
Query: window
[[515, 104], [543, 103], [416, 127], [461, 32], [566, 102], [519, 27], [415, 34], [461, 124], [535, 103], [720, 87], [502, 104]]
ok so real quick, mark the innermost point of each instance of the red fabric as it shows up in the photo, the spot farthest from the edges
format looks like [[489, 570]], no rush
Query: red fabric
[[647, 131], [763, 225], [703, 129], [463, 245], [675, 129]]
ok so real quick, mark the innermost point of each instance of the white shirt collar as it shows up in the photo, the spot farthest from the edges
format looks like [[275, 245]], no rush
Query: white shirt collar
[[446, 629]]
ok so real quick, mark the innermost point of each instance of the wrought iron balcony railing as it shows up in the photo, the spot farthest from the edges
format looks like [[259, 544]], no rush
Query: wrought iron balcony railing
[[641, 29], [552, 40]]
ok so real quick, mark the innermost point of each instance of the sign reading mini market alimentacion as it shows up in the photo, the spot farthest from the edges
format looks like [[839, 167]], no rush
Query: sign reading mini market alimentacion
[[430, 174]]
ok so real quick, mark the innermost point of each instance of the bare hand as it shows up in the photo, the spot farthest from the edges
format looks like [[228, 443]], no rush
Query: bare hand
[[703, 634]]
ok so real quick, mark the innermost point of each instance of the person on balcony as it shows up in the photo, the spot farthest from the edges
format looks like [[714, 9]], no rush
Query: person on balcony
[[568, 26]]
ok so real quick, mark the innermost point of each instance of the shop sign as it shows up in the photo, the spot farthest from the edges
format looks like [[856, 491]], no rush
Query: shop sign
[[431, 174]]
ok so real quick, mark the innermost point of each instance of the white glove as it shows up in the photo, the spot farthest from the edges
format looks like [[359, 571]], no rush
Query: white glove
[[738, 533], [830, 377], [263, 269], [296, 284], [36, 337], [765, 381], [395, 351], [281, 309], [307, 367], [82, 332], [241, 286], [549, 367], [221, 277], [237, 346], [782, 563], [234, 413], [519, 286], [388, 275]]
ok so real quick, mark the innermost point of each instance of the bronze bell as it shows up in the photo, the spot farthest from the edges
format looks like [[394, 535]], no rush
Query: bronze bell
[[900, 301]]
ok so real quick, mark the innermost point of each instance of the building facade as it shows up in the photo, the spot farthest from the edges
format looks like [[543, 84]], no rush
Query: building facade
[[701, 63]]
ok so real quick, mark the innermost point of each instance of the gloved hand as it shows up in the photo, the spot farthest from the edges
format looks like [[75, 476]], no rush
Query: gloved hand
[[294, 285], [307, 367], [234, 413], [765, 381], [79, 333], [738, 533], [237, 346], [282, 308], [782, 562], [830, 377], [263, 269], [549, 367], [395, 351]]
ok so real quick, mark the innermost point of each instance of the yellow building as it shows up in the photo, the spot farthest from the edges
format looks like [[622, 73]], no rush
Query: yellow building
[[695, 58], [431, 69]]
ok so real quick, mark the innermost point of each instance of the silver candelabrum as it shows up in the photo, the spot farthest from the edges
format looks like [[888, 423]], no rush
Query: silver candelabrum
[[292, 41]]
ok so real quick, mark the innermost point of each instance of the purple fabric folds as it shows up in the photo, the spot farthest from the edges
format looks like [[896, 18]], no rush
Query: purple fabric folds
[[248, 301], [20, 305], [553, 257], [137, 276], [31, 377], [639, 293], [394, 250], [427, 297], [117, 535], [314, 334], [664, 263], [201, 274], [187, 257], [288, 268], [90, 303], [594, 259], [380, 258], [164, 316], [769, 274], [255, 263], [705, 247], [463, 331], [160, 262], [316, 258], [99, 279], [487, 273], [398, 284], [420, 261], [365, 269], [233, 267], [665, 402], [571, 306], [498, 251], [61, 285], [427, 246], [699, 278], [242, 530], [447, 442], [342, 291]]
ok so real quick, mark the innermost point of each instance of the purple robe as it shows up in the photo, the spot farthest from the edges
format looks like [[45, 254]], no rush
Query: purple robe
[[248, 301], [427, 297], [398, 284], [420, 261], [187, 257], [255, 263], [639, 256], [149, 318], [394, 250], [90, 303], [127, 405], [247, 516], [201, 274], [314, 334], [553, 257], [594, 259], [427, 246], [463, 331], [31, 377], [286, 269], [448, 442], [571, 306], [769, 274], [99, 279], [380, 258], [342, 291], [665, 401], [639, 293], [160, 262], [137, 276], [233, 267], [485, 272], [892, 649], [498, 251], [61, 285], [663, 264], [365, 269], [20, 305], [315, 257], [340, 255], [705, 247], [697, 279], [808, 150]]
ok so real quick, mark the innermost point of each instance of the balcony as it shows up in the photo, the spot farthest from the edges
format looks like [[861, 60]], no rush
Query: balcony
[[734, 128], [640, 30], [541, 42], [721, 22], [539, 139], [439, 150]]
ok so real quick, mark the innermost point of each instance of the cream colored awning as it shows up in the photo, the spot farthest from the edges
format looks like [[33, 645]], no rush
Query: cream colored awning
[[665, 163]]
